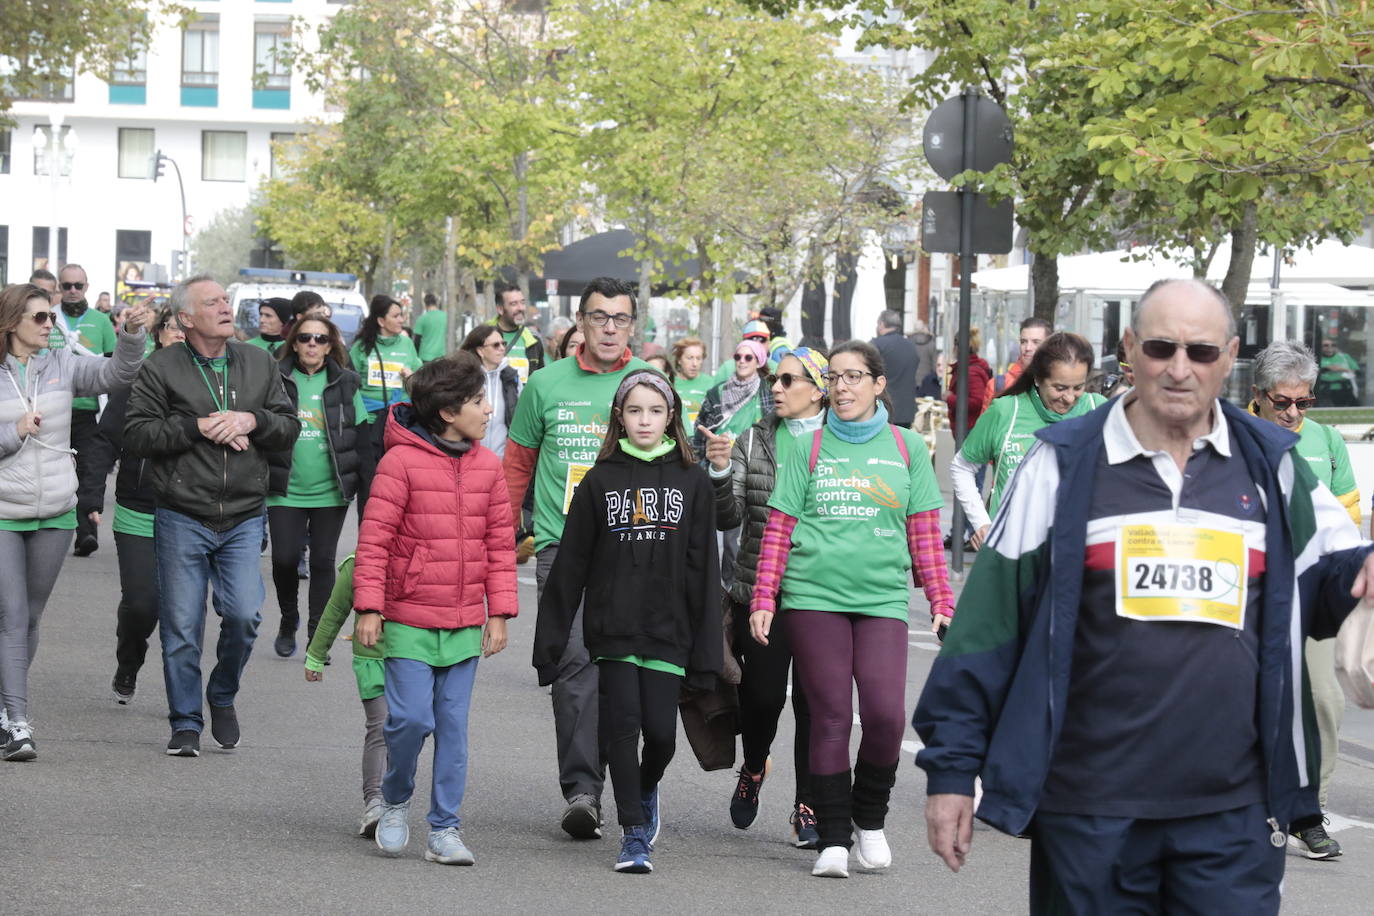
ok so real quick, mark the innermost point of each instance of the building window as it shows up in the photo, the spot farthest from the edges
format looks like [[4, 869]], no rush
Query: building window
[[135, 149], [133, 70], [43, 149], [200, 53], [5, 136], [223, 155], [40, 248], [4, 255], [59, 88], [283, 151], [271, 48]]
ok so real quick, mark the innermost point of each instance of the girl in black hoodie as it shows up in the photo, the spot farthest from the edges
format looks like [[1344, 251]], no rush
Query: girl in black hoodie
[[638, 555]]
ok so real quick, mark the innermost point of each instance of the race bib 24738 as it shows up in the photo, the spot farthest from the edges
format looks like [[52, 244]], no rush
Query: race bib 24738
[[1180, 572]]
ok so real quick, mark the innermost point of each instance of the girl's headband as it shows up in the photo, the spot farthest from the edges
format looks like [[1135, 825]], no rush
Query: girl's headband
[[648, 377]]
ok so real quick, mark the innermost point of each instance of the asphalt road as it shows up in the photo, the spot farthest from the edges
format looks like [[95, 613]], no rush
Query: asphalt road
[[104, 822]]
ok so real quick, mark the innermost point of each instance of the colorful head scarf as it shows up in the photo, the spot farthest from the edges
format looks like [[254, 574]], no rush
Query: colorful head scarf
[[813, 361]]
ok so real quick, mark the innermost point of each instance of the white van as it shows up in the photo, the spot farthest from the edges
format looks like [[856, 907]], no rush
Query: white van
[[258, 283]]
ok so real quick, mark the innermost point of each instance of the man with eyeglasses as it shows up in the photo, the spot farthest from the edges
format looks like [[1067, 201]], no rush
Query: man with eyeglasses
[[524, 350], [85, 330], [558, 427], [1146, 586], [1284, 375]]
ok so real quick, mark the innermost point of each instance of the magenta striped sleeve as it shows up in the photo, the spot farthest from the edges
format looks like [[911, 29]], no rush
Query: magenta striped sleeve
[[928, 560], [774, 547]]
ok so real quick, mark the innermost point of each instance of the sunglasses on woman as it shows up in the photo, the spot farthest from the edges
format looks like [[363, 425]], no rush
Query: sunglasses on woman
[[1282, 404], [321, 339], [787, 378], [744, 357], [1159, 348], [44, 317]]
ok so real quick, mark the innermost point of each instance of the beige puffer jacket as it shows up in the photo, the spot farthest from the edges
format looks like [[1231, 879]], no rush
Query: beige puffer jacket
[[38, 472]]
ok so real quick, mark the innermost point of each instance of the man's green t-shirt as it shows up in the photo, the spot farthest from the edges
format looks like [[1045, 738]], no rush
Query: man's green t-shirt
[[313, 483], [94, 331], [693, 392], [1006, 431], [563, 412], [849, 548], [518, 342], [432, 329], [380, 368], [1326, 454], [262, 343], [1330, 365]]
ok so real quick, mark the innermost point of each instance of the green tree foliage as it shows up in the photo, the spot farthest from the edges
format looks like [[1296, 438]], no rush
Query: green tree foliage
[[225, 244]]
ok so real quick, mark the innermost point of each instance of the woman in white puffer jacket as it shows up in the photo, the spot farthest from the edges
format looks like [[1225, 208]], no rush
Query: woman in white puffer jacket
[[38, 478]]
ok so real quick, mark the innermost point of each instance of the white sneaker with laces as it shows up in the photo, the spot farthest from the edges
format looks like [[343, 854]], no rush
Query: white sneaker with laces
[[833, 862], [20, 745], [871, 848], [372, 813]]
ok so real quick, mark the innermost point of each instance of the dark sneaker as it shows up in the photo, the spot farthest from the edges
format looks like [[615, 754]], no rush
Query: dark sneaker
[[805, 835], [582, 818], [285, 644], [184, 743], [634, 853], [1315, 842], [744, 804], [224, 726], [20, 744], [652, 821], [86, 545], [122, 688]]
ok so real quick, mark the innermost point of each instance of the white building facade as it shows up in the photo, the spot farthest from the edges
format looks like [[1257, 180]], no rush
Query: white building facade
[[212, 97]]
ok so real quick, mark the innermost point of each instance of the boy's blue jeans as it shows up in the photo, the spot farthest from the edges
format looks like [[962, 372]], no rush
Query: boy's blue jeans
[[420, 700]]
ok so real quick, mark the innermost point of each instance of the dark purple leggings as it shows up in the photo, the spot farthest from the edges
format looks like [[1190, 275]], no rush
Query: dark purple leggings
[[833, 651]]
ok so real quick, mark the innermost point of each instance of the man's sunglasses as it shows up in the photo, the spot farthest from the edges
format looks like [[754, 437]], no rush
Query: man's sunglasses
[[1159, 348], [1282, 404], [44, 317], [71, 286], [788, 378], [321, 339]]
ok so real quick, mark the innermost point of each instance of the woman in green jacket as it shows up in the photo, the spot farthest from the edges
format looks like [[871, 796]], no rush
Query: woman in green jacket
[[1049, 391]]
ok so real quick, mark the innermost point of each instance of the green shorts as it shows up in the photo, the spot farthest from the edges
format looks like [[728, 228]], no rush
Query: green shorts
[[371, 675]]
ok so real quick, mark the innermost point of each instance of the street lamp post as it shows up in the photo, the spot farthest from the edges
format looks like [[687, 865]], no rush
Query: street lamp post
[[58, 154], [155, 169]]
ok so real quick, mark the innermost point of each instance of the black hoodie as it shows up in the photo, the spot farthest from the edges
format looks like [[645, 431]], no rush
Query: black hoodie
[[639, 553]]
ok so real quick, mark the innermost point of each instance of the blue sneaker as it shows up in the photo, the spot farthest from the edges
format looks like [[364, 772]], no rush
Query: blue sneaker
[[393, 830], [446, 847], [804, 828], [634, 853], [652, 820]]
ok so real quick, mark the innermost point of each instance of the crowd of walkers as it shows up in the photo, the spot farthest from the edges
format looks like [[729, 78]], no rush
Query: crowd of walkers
[[725, 540]]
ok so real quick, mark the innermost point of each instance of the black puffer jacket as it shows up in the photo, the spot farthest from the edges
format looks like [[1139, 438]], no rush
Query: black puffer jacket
[[340, 429]]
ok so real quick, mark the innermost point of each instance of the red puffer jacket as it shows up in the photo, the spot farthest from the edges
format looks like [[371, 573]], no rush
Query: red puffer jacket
[[437, 536]]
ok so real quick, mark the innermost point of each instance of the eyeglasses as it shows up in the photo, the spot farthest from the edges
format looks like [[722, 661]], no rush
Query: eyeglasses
[[744, 357], [849, 377], [73, 286], [1159, 348], [321, 339], [788, 378], [600, 318], [1282, 404], [498, 344], [44, 317]]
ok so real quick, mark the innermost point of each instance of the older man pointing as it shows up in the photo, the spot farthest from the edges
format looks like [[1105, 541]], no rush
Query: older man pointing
[[1126, 670]]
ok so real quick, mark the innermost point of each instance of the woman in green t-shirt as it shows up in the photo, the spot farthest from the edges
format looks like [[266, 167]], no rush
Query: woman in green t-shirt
[[689, 356], [384, 357], [856, 510], [1050, 390], [310, 485]]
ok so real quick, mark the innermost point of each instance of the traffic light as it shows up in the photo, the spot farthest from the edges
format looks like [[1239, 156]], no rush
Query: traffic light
[[178, 267], [157, 165]]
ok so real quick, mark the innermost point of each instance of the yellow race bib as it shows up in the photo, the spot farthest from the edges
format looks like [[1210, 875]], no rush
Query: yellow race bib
[[1180, 572], [575, 474]]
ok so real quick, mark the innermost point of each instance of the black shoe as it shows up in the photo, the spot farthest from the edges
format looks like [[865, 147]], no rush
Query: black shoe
[[285, 644], [86, 545], [123, 687], [184, 743], [744, 804], [1315, 842], [582, 818], [224, 726]]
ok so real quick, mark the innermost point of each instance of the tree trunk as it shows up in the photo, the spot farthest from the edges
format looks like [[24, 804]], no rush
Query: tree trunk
[[645, 290], [1237, 282], [382, 282], [453, 307], [1045, 286], [706, 320]]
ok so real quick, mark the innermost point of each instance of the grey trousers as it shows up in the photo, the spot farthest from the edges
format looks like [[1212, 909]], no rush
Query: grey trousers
[[575, 699], [374, 747], [29, 564]]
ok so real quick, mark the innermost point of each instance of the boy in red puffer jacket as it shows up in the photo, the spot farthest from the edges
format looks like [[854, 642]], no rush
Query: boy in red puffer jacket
[[435, 567]]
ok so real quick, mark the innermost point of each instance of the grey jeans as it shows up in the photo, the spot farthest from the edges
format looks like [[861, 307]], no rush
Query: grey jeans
[[374, 747], [29, 564], [580, 769]]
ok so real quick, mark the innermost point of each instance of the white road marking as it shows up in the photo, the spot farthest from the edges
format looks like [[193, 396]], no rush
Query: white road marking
[[1339, 822]]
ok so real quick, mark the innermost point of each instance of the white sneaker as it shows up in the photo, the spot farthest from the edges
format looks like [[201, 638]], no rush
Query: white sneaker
[[372, 813], [833, 862], [871, 848]]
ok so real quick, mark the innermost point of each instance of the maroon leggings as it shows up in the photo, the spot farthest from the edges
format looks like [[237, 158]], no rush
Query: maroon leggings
[[833, 651]]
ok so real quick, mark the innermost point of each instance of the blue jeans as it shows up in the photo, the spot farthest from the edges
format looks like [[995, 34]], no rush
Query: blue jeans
[[421, 700], [191, 557]]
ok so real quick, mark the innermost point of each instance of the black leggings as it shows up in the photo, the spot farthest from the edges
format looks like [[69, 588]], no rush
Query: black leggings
[[636, 701], [289, 526], [136, 617], [763, 694]]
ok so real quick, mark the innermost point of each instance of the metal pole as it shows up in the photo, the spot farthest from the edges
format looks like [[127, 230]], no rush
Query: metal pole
[[185, 264], [966, 264]]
